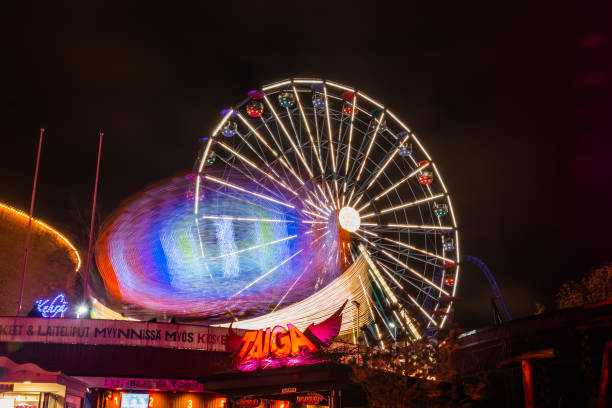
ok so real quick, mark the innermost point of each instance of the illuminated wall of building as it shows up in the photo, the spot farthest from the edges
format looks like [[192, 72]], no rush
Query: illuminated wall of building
[[158, 399], [53, 260]]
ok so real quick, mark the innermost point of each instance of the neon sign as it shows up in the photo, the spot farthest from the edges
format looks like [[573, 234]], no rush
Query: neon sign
[[248, 402], [258, 344], [311, 399], [279, 346], [52, 308]]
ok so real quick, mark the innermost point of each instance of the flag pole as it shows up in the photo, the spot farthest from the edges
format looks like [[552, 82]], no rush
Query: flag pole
[[91, 226], [27, 243]]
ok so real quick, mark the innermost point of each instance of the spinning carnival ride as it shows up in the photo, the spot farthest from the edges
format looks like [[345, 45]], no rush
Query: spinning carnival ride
[[307, 194]]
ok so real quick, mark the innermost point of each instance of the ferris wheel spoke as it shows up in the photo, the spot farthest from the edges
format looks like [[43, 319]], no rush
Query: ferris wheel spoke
[[265, 244], [254, 180], [244, 190], [407, 254], [291, 287], [403, 253], [374, 268], [321, 191], [329, 131], [402, 206], [410, 247], [367, 232], [315, 230], [331, 195], [312, 194], [258, 135], [394, 186], [200, 167], [407, 280], [367, 298], [413, 248], [372, 140], [301, 146], [283, 159], [296, 149], [363, 207], [350, 140], [357, 200], [403, 264], [321, 210], [251, 177], [418, 305], [339, 145], [270, 148], [317, 215], [232, 218], [326, 201], [315, 147], [249, 202], [350, 197], [382, 316], [420, 227], [266, 273], [261, 158], [316, 197], [412, 280], [368, 183]]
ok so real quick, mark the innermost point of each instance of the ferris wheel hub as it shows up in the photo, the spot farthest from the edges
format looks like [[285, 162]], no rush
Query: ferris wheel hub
[[349, 219]]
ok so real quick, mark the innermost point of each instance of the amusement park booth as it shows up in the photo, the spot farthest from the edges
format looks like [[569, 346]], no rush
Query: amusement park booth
[[29, 386]]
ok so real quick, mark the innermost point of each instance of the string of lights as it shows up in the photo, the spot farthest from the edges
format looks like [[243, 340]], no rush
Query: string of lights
[[62, 238]]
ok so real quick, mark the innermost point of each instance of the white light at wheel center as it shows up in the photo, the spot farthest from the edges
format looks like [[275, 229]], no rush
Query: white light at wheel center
[[349, 219]]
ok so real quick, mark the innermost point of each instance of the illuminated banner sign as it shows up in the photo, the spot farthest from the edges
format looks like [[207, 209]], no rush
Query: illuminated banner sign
[[311, 399], [112, 332], [248, 402], [157, 384], [280, 346]]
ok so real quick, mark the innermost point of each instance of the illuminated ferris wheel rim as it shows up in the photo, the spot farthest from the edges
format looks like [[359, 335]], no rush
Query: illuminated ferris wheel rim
[[350, 216]]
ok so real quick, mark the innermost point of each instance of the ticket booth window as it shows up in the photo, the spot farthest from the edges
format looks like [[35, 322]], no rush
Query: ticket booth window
[[23, 400]]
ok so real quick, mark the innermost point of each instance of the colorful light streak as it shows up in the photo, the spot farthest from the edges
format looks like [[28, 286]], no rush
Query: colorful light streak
[[236, 258]]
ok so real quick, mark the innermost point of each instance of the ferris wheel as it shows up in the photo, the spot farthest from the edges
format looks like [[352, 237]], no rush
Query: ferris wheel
[[331, 181]]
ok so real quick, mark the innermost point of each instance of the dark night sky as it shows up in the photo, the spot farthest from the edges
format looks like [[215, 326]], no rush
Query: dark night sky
[[510, 100]]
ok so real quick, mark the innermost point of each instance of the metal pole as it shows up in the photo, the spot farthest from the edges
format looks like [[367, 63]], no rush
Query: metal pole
[[91, 226], [605, 374], [527, 383], [356, 303], [27, 243], [358, 326]]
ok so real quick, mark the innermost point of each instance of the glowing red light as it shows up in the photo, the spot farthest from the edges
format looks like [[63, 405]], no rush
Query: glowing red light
[[348, 96], [426, 177], [348, 109]]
